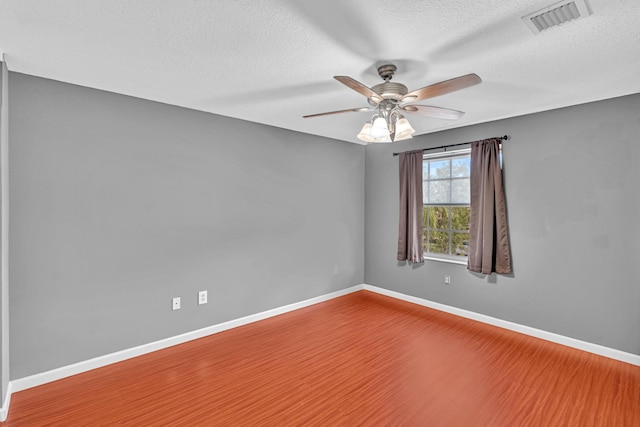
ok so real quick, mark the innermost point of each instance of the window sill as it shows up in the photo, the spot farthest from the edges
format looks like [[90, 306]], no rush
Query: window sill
[[447, 260]]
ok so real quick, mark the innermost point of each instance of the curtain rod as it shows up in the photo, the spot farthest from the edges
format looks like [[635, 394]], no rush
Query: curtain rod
[[505, 137]]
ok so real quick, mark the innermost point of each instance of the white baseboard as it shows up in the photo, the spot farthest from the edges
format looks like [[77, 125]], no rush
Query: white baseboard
[[98, 362], [87, 365], [611, 353], [4, 411]]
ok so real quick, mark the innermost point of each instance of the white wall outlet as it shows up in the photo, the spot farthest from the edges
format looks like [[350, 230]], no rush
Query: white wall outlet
[[335, 269], [202, 297], [175, 305], [447, 280]]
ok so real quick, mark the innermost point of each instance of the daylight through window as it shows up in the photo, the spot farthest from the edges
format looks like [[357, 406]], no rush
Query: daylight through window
[[446, 195]]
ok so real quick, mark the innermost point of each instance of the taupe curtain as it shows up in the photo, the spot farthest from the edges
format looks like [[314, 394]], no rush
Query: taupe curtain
[[410, 228], [488, 232]]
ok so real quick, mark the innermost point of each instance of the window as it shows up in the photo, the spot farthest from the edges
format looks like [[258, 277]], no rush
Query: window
[[446, 195]]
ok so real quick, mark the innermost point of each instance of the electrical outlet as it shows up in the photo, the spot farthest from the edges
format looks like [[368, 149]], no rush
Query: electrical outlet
[[447, 280], [202, 297], [175, 303], [335, 269]]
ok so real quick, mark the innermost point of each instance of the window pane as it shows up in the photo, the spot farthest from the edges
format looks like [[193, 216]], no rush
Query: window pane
[[460, 191], [446, 195], [425, 216], [438, 242], [425, 192], [460, 218], [438, 217], [461, 167], [439, 192], [460, 243], [439, 169]]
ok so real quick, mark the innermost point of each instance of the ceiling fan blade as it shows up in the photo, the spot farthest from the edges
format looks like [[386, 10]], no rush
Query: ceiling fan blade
[[429, 111], [359, 87], [349, 110], [442, 88]]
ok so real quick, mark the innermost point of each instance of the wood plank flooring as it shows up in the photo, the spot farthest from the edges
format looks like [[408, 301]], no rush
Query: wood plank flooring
[[358, 360]]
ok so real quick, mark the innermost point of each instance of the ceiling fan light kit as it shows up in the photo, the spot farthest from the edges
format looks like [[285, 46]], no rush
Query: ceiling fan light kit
[[394, 127], [389, 100]]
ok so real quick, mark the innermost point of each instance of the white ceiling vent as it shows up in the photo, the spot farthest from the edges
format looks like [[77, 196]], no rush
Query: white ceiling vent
[[556, 14]]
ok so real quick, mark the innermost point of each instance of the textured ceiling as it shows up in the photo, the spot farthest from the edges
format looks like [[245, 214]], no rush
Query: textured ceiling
[[272, 61]]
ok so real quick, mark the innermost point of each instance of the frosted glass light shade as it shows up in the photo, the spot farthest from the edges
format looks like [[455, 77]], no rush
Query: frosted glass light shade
[[386, 139], [365, 133], [379, 130], [403, 130]]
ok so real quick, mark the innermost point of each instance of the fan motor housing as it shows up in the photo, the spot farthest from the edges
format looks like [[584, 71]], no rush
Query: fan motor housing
[[389, 90]]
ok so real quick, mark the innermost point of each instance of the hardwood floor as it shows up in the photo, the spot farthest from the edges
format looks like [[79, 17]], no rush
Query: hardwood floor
[[359, 360]]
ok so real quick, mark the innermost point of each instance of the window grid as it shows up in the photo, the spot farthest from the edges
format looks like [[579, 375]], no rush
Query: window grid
[[434, 233]]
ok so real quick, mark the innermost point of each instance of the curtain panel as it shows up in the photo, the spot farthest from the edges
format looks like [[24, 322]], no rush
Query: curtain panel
[[411, 222], [489, 250]]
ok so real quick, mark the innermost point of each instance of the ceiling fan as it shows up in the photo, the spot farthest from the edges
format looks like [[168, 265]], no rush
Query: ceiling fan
[[390, 100]]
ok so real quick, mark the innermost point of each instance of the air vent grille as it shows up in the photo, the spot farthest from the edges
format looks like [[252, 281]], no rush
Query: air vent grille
[[556, 14]]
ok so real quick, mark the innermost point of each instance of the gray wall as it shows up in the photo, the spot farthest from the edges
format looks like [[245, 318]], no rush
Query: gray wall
[[4, 231], [119, 204], [572, 179]]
